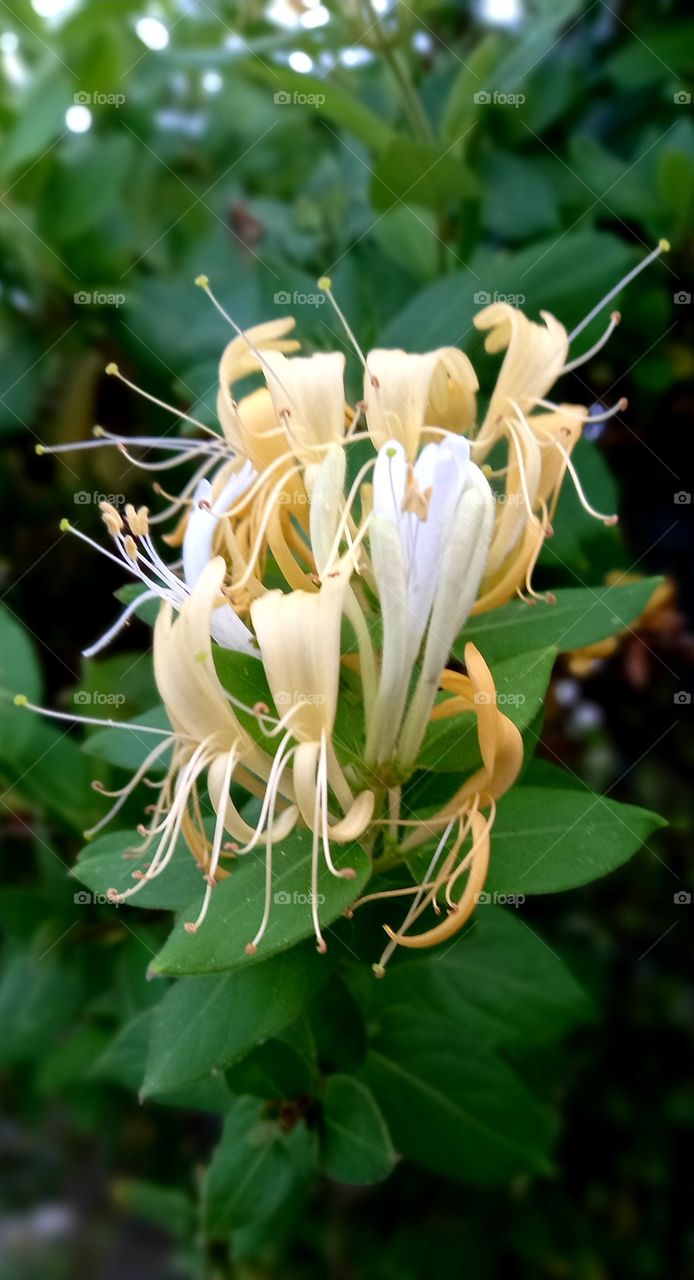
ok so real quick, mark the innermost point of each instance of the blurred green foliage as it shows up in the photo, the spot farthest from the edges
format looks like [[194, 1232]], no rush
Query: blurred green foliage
[[426, 161]]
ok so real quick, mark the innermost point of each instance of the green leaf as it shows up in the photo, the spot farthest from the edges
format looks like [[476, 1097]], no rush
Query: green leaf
[[580, 616], [237, 904], [19, 673], [450, 1103], [87, 187], [123, 1060], [565, 275], [37, 998], [356, 1147], [556, 834], [40, 119], [274, 1070], [419, 174], [207, 1023], [102, 865], [252, 1170], [126, 747], [499, 980], [519, 202], [329, 100]]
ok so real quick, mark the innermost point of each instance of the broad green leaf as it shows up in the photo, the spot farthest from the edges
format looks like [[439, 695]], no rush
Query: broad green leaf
[[498, 979], [19, 673], [420, 174], [565, 275], [40, 119], [237, 906], [43, 761], [210, 1022], [580, 616], [128, 748], [450, 1103], [252, 1169], [292, 89], [103, 865], [519, 202], [336, 1020], [123, 1060], [85, 189], [401, 234], [356, 1147], [37, 998], [68, 1063], [274, 1070], [559, 835]]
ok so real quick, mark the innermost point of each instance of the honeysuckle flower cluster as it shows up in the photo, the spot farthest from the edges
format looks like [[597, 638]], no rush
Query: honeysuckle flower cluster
[[343, 547]]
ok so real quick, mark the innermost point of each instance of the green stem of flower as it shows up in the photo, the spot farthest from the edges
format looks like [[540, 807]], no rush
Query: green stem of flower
[[401, 75]]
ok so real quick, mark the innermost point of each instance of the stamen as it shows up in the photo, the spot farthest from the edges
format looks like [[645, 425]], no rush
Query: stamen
[[280, 762], [519, 455], [615, 319], [20, 700], [344, 873], [381, 966], [118, 625], [325, 283], [619, 407], [663, 247], [114, 372], [607, 520], [216, 846], [203, 283], [127, 790]]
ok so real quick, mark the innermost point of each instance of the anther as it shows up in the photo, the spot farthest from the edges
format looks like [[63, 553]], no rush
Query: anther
[[190, 927]]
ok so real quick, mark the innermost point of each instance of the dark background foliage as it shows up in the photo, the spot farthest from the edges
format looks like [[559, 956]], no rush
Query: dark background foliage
[[415, 197]]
